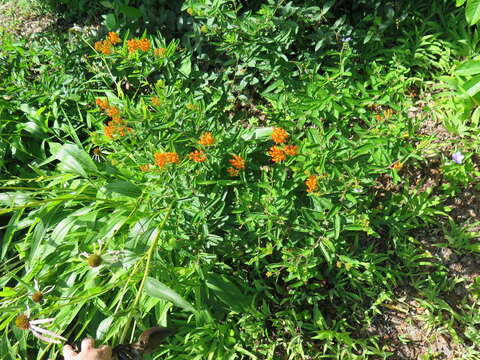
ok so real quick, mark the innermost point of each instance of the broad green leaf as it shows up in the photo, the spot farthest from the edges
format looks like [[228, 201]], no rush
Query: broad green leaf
[[472, 11], [472, 86], [258, 133], [7, 292], [74, 159], [155, 288], [103, 327], [121, 187], [107, 4], [111, 21], [186, 66], [131, 12], [10, 231], [468, 68], [227, 292]]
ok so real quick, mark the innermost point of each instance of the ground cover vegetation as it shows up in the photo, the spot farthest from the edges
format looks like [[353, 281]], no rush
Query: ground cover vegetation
[[269, 179]]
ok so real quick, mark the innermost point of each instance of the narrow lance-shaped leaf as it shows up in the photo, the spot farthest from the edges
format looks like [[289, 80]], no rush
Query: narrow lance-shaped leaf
[[155, 288]]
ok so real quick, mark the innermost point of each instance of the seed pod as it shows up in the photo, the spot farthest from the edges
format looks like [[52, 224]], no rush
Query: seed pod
[[22, 322], [37, 297], [94, 260]]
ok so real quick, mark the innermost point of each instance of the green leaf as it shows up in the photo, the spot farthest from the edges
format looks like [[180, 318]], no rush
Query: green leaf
[[186, 66], [472, 86], [121, 187], [131, 12], [10, 231], [111, 21], [472, 11], [468, 68], [258, 133], [7, 292], [227, 292], [103, 327], [155, 288], [107, 4], [75, 160]]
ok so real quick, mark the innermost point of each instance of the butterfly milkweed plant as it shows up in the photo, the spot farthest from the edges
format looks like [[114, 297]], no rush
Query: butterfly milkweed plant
[[265, 178]]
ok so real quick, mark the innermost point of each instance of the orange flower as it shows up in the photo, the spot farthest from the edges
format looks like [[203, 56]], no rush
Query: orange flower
[[290, 150], [132, 45], [207, 139], [397, 165], [109, 130], [103, 104], [113, 112], [388, 113], [160, 52], [172, 157], [143, 44], [237, 162], [113, 38], [116, 120], [232, 171], [135, 44], [197, 156], [162, 159], [311, 183], [279, 135], [276, 154], [103, 46], [145, 167], [121, 130], [156, 101]]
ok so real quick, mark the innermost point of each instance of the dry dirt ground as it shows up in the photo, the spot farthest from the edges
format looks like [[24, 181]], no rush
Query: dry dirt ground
[[22, 21], [402, 326]]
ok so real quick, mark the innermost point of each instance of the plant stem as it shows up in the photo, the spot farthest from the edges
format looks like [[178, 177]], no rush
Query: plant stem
[[149, 254]]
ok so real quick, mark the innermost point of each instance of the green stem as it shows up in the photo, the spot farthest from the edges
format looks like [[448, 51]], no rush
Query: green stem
[[152, 248]]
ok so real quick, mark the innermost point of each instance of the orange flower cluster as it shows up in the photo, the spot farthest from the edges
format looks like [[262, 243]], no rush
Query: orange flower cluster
[[116, 125], [387, 113], [197, 156], [397, 165], [162, 159], [113, 38], [278, 154], [290, 150], [238, 163], [161, 52], [105, 46], [103, 104], [116, 128], [311, 183], [279, 135], [145, 168], [138, 44], [156, 101], [111, 111], [207, 139]]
